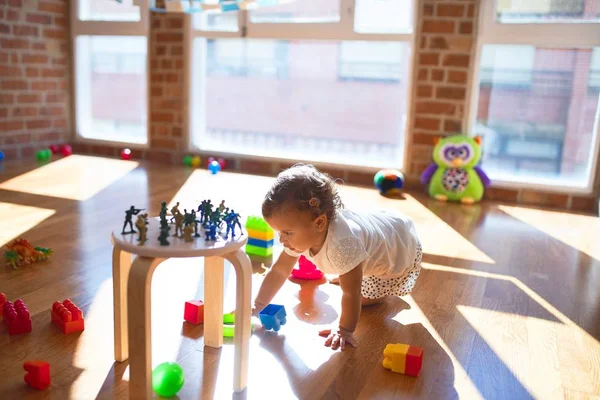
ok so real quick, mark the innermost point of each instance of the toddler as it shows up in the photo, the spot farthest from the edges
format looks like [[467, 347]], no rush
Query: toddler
[[375, 253]]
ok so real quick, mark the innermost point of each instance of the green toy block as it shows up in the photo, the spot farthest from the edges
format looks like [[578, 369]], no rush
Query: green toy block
[[259, 251], [257, 224]]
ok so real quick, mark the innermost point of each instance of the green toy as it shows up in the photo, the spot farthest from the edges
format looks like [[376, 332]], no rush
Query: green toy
[[228, 325], [167, 379], [456, 174], [187, 161], [44, 154]]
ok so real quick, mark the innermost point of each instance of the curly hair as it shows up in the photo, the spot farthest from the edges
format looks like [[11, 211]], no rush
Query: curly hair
[[305, 188]]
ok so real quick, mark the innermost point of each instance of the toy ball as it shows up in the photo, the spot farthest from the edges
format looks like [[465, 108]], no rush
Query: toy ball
[[125, 154], [222, 162], [54, 148], [388, 181], [214, 167], [1, 155], [66, 150], [196, 160], [43, 155], [167, 379], [187, 161]]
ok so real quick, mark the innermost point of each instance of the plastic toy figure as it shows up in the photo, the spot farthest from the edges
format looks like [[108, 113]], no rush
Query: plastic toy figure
[[179, 218], [21, 252], [187, 232], [175, 210], [128, 219], [232, 219], [164, 233], [222, 206], [196, 223], [208, 210], [211, 232], [187, 217], [142, 225], [163, 210]]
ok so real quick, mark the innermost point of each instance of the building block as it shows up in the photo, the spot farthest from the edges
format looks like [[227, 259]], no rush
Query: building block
[[261, 235], [403, 358], [259, 251], [194, 312], [67, 317], [272, 317], [2, 301], [16, 317], [306, 270], [38, 374], [260, 243]]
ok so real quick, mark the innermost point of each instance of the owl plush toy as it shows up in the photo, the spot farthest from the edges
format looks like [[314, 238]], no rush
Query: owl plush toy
[[456, 174]]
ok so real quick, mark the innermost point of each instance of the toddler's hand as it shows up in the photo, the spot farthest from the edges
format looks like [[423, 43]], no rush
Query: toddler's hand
[[338, 337]]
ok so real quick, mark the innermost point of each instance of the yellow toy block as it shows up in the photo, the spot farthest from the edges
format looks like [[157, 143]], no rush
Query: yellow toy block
[[268, 235], [403, 358]]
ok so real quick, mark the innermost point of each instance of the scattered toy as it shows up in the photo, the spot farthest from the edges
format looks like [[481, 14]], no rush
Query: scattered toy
[[125, 154], [273, 316], [67, 316], [43, 155], [66, 150], [128, 219], [306, 270], [142, 224], [196, 161], [21, 252], [38, 374], [403, 358], [214, 167], [260, 237], [16, 317], [164, 225], [167, 379], [194, 312]]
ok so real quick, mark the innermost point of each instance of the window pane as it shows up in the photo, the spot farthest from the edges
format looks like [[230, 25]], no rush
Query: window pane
[[298, 12], [111, 88], [341, 102], [108, 10], [223, 22], [389, 16], [519, 11], [537, 112]]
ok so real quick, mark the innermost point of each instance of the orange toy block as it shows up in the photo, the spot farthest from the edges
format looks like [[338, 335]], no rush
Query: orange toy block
[[67, 316], [16, 317], [403, 358], [38, 374], [2, 301], [194, 312]]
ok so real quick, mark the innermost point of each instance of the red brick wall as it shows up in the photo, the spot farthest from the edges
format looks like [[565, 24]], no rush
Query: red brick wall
[[34, 76]]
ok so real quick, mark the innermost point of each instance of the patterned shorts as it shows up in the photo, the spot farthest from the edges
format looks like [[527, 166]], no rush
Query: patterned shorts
[[374, 287]]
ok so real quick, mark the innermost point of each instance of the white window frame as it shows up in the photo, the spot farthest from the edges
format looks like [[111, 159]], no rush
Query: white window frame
[[339, 30], [81, 27], [540, 34]]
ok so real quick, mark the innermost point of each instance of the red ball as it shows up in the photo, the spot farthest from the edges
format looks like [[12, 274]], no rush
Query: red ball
[[66, 150], [222, 162], [125, 154], [54, 148], [210, 159]]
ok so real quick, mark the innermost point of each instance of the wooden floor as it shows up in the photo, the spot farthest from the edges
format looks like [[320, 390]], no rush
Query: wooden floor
[[507, 306]]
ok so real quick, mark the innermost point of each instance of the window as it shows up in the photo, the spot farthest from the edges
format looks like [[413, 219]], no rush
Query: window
[[110, 58], [301, 81], [536, 98]]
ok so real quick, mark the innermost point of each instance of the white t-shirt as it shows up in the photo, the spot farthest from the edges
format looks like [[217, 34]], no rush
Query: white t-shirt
[[386, 241]]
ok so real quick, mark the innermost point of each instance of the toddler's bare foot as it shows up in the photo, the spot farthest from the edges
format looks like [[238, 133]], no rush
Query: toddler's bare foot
[[335, 281]]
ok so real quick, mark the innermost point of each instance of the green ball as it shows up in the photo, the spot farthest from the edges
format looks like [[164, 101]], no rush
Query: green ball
[[48, 154], [167, 379], [187, 160], [43, 155]]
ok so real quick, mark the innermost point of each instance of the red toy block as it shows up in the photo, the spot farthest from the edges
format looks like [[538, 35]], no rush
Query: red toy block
[[67, 316], [16, 317], [414, 361], [2, 301], [38, 374], [194, 312]]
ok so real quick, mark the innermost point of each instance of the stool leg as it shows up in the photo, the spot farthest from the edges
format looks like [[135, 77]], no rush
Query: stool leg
[[243, 304], [121, 266], [140, 324], [213, 301]]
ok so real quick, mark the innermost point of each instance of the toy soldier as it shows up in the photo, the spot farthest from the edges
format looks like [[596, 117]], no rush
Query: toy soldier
[[142, 224], [232, 219], [128, 219], [164, 225]]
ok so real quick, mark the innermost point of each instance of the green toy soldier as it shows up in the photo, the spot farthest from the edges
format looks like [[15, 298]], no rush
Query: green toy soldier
[[164, 225], [128, 219]]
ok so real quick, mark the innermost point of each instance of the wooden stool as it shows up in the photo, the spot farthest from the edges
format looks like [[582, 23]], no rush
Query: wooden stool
[[131, 294]]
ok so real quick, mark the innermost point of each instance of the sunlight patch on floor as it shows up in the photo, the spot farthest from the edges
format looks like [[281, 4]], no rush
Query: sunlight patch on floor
[[16, 219], [202, 185], [543, 355], [464, 386], [75, 177], [578, 231]]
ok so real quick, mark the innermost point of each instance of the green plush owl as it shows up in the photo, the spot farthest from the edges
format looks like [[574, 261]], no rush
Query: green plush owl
[[456, 174]]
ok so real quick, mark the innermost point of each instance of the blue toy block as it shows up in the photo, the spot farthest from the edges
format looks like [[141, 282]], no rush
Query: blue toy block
[[260, 243], [272, 317], [229, 5]]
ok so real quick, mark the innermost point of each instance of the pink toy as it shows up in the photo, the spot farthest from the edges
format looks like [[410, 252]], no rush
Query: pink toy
[[194, 312], [125, 154], [221, 162], [306, 270], [66, 150], [54, 148], [17, 318]]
